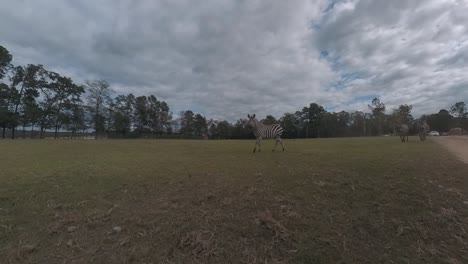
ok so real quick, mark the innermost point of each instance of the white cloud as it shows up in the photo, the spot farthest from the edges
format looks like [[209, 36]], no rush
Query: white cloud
[[229, 58], [411, 52]]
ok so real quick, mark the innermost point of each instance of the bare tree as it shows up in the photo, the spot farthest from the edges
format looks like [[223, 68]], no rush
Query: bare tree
[[98, 94]]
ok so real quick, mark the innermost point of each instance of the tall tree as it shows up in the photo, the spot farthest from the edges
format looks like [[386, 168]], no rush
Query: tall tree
[[98, 94], [312, 117], [441, 121], [240, 131], [77, 117], [329, 125], [393, 121], [66, 94], [154, 114], [359, 123], [142, 118], [158, 115], [199, 125], [6, 109], [269, 120], [378, 112], [123, 113], [400, 115], [6, 118], [30, 115], [109, 115], [343, 121], [165, 117], [213, 129], [459, 109], [290, 124], [25, 85], [404, 113], [224, 129], [5, 60], [187, 124]]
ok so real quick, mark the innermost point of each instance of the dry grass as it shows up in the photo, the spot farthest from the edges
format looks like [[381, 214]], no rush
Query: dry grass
[[360, 200]]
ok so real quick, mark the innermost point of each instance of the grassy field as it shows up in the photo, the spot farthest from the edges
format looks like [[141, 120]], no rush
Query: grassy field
[[355, 200]]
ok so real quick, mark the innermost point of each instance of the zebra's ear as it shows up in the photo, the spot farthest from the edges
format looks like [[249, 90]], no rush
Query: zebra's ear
[[248, 115], [253, 116]]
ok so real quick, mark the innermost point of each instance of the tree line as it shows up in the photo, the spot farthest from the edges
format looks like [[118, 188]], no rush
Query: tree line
[[38, 103], [35, 102], [314, 121]]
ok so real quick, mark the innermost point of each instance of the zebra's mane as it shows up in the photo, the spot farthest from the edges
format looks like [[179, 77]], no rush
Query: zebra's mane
[[258, 123]]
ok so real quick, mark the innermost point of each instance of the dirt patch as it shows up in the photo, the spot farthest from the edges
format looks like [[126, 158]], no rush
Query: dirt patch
[[456, 144]]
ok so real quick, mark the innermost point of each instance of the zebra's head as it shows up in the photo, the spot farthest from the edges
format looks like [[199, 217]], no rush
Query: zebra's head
[[251, 122]]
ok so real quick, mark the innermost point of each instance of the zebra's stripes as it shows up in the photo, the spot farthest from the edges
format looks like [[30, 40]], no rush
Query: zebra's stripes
[[267, 131], [262, 131]]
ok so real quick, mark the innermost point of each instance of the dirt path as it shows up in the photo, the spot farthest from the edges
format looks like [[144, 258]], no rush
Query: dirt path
[[456, 144]]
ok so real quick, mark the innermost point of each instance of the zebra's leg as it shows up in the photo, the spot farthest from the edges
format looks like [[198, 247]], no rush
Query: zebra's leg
[[281, 142], [257, 142], [276, 144]]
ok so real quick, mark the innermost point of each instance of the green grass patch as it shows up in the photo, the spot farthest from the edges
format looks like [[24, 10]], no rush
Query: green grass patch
[[347, 200]]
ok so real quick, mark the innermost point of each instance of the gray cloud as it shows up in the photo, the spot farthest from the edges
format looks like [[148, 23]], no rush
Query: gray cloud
[[411, 52], [229, 58]]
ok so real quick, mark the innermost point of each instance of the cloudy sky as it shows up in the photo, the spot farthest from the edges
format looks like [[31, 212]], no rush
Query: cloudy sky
[[227, 58]]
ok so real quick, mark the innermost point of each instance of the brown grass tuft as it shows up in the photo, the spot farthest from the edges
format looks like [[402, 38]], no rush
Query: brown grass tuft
[[200, 243]]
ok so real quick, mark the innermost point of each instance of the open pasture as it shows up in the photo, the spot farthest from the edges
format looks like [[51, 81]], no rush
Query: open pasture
[[347, 200]]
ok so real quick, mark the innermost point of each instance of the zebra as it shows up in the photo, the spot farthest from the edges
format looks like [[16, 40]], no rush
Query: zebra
[[403, 132], [262, 131], [423, 130]]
